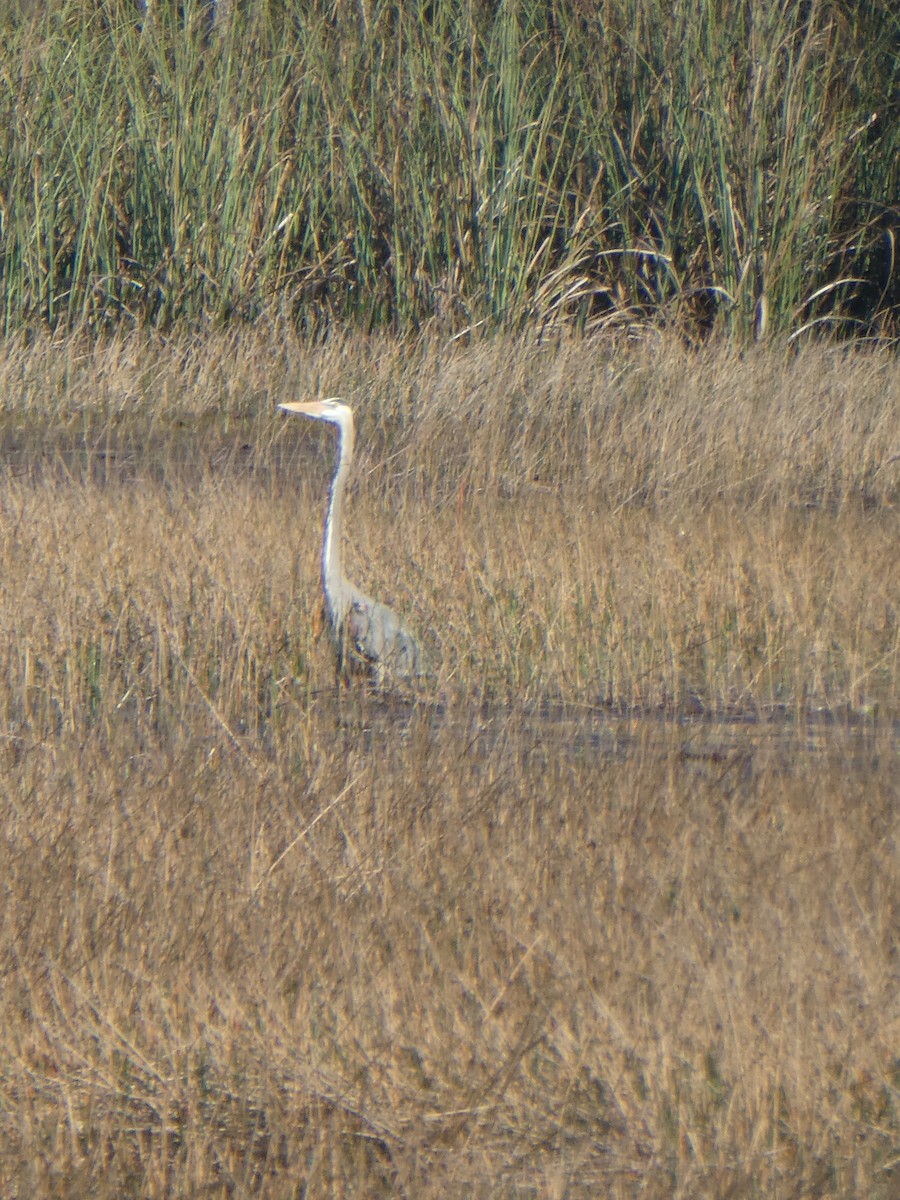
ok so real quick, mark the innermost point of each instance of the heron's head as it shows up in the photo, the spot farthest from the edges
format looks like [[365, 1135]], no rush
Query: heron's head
[[333, 410]]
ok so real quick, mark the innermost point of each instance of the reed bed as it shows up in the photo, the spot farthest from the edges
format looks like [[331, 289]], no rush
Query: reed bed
[[729, 166], [546, 929], [398, 957], [621, 526]]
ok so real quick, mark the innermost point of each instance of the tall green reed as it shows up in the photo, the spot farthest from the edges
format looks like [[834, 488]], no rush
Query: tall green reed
[[463, 164]]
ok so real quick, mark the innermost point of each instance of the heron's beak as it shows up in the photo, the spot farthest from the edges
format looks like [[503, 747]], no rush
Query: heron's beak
[[311, 408]]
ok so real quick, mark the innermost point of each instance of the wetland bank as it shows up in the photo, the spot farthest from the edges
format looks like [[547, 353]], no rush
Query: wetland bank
[[612, 911]]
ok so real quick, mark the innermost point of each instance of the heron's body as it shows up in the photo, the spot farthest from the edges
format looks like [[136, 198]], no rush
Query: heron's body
[[368, 636]]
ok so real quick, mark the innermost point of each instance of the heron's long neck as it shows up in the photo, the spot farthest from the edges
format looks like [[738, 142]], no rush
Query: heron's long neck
[[332, 570]]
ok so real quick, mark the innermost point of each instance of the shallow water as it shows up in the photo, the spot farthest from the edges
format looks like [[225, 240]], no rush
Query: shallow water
[[580, 733]]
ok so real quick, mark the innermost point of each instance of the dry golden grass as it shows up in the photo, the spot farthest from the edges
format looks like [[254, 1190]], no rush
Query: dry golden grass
[[409, 958], [591, 523], [509, 940]]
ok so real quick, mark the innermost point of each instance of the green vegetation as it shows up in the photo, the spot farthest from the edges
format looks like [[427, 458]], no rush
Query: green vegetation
[[443, 165]]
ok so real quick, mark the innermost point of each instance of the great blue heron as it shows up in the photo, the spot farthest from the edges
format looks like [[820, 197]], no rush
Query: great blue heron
[[369, 637]]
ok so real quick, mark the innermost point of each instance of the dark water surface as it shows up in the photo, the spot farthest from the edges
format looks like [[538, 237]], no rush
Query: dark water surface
[[581, 735]]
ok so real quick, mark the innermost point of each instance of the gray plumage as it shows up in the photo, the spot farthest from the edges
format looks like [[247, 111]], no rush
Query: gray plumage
[[369, 637]]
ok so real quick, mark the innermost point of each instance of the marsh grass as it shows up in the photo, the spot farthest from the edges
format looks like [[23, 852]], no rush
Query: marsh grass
[[396, 958], [640, 527], [513, 938], [453, 165]]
